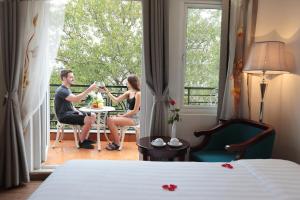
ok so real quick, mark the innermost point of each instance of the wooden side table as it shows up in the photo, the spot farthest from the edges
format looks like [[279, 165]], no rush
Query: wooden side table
[[167, 153]]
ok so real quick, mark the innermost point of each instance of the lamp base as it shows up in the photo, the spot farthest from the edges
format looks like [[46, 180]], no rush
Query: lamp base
[[263, 87]]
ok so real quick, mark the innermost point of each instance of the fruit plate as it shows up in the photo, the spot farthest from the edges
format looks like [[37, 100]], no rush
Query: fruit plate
[[97, 108], [175, 145], [155, 145]]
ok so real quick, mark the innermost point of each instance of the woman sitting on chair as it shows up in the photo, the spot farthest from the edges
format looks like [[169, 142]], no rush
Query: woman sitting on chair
[[131, 117]]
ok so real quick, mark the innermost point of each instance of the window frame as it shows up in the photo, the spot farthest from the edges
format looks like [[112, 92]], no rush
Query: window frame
[[196, 5]]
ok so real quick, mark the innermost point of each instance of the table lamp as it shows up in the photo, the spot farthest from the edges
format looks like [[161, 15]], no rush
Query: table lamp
[[267, 57]]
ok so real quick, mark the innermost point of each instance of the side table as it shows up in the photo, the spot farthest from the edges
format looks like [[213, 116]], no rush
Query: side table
[[166, 153]]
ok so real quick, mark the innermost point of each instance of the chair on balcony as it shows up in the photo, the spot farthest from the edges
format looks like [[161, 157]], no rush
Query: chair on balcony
[[60, 133], [60, 130], [234, 139], [123, 131]]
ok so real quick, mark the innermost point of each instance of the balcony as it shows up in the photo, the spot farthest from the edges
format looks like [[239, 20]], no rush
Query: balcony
[[202, 96], [66, 150]]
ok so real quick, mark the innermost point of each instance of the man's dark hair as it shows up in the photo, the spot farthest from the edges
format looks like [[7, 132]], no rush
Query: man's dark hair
[[64, 73]]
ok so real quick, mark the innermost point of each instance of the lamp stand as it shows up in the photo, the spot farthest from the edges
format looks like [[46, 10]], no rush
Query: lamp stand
[[263, 87]]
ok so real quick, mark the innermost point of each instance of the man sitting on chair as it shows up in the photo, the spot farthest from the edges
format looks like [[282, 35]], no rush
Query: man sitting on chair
[[67, 113]]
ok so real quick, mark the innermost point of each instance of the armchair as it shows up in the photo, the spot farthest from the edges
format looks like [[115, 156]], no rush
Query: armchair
[[234, 139]]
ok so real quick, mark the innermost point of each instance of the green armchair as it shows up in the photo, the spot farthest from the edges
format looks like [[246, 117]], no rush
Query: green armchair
[[234, 139]]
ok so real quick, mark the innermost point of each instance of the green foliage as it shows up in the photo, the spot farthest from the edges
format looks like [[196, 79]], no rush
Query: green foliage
[[102, 41], [203, 47]]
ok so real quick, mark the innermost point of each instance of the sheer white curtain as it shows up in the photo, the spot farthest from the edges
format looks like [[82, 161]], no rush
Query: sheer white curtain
[[242, 22], [43, 25]]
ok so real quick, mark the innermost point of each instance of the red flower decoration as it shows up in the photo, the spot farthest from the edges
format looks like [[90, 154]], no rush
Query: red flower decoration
[[165, 187], [227, 165], [172, 102], [170, 187]]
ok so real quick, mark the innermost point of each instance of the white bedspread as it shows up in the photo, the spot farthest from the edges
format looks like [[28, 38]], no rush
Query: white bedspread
[[138, 180]]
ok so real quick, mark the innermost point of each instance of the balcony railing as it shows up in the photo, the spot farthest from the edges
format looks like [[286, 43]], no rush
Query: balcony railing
[[202, 96]]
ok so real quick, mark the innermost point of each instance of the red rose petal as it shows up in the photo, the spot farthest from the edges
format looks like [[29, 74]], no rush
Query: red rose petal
[[173, 186], [165, 187], [227, 165], [230, 166]]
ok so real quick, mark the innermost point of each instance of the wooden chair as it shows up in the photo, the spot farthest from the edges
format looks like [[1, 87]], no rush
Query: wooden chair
[[234, 139], [60, 133]]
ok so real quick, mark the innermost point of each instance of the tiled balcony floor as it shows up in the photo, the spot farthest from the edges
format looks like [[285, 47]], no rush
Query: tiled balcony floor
[[66, 150]]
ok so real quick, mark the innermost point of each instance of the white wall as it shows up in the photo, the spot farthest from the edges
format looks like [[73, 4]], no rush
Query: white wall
[[279, 20]]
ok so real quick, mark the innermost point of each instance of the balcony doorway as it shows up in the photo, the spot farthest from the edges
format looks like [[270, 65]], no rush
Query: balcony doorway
[[102, 42]]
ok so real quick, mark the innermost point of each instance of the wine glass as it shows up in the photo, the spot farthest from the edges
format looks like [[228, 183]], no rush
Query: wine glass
[[101, 84]]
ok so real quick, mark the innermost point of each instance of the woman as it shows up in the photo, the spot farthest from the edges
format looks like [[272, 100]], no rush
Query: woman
[[131, 117]]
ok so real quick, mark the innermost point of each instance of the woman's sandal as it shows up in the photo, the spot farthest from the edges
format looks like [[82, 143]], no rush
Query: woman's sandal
[[112, 147]]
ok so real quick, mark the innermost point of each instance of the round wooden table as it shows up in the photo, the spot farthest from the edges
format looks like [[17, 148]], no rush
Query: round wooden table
[[167, 152]]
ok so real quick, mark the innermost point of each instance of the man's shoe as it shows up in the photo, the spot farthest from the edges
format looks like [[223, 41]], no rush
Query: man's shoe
[[90, 141], [85, 145]]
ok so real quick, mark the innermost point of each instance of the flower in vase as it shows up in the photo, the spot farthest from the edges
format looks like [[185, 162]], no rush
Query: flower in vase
[[174, 112]]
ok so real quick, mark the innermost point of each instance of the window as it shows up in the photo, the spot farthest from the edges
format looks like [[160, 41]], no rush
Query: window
[[202, 54]]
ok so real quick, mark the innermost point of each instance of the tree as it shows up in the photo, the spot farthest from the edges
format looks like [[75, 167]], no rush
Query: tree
[[203, 47], [102, 41]]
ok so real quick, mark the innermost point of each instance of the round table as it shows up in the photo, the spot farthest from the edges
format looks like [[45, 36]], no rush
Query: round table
[[101, 120], [167, 152]]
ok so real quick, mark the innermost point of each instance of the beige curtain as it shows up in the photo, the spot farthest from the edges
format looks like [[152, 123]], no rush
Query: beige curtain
[[241, 29], [13, 166]]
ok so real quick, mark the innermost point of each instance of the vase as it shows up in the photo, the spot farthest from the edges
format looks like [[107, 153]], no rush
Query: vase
[[173, 131]]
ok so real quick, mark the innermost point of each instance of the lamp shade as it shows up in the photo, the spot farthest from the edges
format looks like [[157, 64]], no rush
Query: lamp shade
[[267, 57]]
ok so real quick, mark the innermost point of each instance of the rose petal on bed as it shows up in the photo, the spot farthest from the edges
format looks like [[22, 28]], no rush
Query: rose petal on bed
[[172, 186], [165, 187], [227, 165]]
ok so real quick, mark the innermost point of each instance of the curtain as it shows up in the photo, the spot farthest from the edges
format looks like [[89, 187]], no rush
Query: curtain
[[14, 170], [43, 23], [156, 58], [43, 29], [29, 41], [241, 29]]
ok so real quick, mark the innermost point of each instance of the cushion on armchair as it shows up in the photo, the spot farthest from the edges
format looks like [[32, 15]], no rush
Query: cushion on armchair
[[213, 156]]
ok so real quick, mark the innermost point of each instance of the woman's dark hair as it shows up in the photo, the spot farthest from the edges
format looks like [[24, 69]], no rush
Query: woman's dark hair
[[134, 81], [64, 73]]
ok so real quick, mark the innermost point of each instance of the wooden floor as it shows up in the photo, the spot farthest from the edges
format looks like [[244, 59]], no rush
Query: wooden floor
[[19, 193], [66, 150]]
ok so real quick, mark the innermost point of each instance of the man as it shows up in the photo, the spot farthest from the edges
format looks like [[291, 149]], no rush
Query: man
[[67, 113]]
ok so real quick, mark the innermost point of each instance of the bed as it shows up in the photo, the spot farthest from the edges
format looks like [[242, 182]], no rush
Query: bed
[[142, 180]]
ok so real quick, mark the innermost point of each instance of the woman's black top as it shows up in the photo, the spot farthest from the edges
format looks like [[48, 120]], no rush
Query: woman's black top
[[131, 103]]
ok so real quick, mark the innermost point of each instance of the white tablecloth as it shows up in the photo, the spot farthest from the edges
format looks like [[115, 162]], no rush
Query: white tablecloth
[[97, 110]]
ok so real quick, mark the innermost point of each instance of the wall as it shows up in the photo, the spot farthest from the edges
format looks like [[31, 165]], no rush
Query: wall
[[279, 20]]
